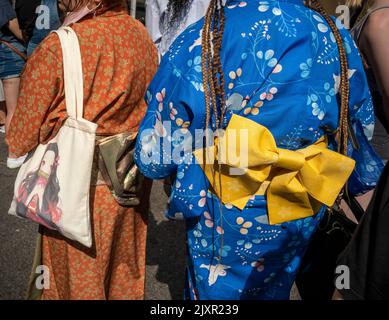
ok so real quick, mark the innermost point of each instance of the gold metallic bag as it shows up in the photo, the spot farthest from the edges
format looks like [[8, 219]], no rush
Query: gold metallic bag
[[118, 169]]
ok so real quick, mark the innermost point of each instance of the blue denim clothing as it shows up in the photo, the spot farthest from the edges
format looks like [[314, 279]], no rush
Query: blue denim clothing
[[11, 64]]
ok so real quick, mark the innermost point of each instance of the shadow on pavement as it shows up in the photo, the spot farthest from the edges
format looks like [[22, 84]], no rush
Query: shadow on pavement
[[166, 250]]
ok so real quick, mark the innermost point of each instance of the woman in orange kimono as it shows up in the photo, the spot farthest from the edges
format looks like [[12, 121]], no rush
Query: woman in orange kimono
[[119, 60]]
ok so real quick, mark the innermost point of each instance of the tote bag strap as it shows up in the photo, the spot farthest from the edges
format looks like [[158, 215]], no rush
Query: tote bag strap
[[72, 65]]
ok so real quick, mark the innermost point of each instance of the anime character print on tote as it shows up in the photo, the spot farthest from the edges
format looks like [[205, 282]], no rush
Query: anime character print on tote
[[37, 197]]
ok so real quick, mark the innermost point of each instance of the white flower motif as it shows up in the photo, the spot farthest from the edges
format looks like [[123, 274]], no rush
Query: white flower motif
[[197, 42], [263, 6], [215, 271], [322, 27], [277, 11]]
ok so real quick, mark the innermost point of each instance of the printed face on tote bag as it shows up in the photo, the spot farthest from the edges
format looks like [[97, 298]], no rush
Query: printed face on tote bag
[[38, 195]]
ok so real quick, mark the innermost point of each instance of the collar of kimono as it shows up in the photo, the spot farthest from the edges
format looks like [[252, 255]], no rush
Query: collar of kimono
[[106, 11], [296, 183], [112, 10]]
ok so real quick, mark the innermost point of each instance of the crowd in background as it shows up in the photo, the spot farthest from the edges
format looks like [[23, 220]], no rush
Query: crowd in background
[[19, 36]]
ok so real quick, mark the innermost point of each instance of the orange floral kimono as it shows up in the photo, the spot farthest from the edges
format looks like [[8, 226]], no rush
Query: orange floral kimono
[[119, 60]]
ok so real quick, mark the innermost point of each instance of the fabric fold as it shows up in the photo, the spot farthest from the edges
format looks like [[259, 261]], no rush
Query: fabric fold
[[296, 183]]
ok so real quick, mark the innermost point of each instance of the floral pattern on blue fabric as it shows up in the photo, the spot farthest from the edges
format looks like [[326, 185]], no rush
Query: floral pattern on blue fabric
[[281, 68]]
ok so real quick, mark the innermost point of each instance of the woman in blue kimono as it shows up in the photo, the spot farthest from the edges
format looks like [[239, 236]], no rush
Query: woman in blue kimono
[[270, 71]]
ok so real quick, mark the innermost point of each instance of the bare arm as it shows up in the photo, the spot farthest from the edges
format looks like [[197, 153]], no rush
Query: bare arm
[[13, 26], [375, 43]]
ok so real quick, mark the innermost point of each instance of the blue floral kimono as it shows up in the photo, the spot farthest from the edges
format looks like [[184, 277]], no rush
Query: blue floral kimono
[[281, 66]]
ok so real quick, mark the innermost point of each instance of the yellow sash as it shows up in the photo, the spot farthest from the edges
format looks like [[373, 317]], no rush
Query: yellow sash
[[296, 183]]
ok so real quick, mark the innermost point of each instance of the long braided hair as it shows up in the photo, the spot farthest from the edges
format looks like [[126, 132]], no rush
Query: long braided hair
[[213, 76], [213, 80], [214, 84]]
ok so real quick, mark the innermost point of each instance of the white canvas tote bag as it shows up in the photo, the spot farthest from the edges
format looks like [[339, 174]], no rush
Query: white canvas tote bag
[[52, 186]]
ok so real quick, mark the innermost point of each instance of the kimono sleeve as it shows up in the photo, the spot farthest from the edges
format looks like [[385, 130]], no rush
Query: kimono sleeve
[[369, 165], [164, 138], [40, 108]]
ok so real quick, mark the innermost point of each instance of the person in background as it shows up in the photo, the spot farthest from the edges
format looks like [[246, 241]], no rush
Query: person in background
[[3, 110], [367, 14], [26, 14], [367, 255], [12, 60], [166, 19], [37, 19], [370, 35], [119, 60]]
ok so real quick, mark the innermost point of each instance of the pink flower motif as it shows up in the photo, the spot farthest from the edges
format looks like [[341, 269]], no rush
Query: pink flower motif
[[208, 219], [240, 5], [203, 200], [219, 230], [173, 111], [160, 97], [259, 265], [263, 96], [273, 90], [277, 68]]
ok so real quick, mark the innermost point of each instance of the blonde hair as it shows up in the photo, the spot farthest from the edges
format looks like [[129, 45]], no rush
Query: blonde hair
[[356, 3]]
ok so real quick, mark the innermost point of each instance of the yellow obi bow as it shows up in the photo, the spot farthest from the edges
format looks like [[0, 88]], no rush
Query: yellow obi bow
[[296, 183]]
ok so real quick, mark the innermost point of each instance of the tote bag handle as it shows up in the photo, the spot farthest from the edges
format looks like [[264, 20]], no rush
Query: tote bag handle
[[72, 66]]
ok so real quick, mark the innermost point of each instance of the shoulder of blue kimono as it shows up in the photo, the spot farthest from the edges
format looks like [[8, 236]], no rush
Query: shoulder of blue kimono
[[186, 43], [360, 95], [170, 77], [301, 21], [174, 64], [353, 54]]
